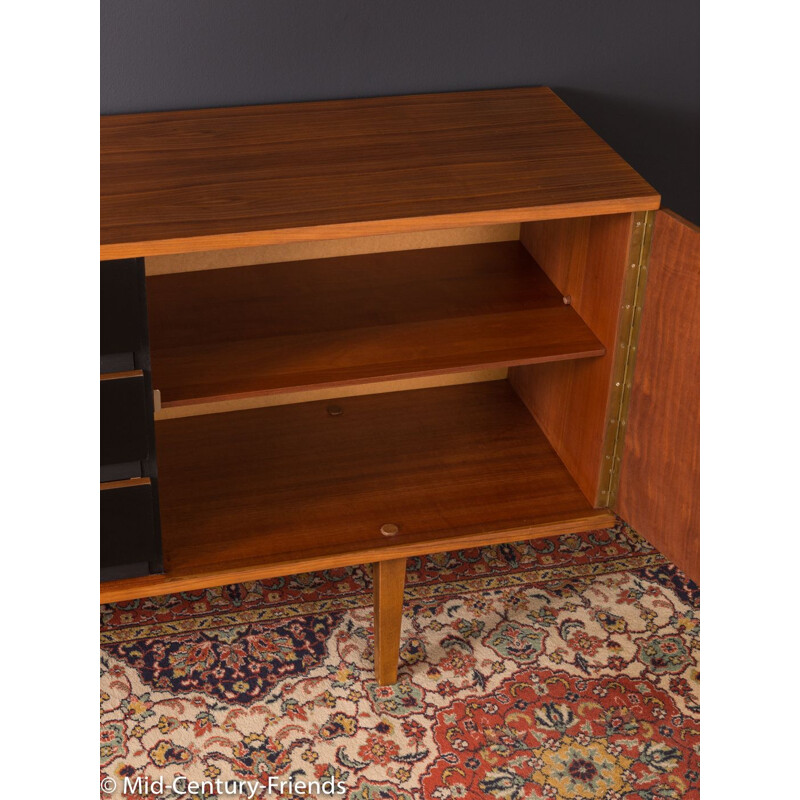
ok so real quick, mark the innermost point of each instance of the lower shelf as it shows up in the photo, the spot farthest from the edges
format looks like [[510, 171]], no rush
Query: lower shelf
[[275, 491]]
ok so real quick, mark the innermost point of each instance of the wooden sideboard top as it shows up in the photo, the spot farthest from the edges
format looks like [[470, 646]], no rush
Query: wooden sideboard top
[[210, 179]]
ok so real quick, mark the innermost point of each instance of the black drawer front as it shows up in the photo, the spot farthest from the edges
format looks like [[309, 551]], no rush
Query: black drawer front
[[123, 421], [123, 311], [130, 538], [129, 544]]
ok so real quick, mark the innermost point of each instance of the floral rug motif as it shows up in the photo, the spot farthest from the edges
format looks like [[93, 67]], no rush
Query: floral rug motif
[[557, 668]]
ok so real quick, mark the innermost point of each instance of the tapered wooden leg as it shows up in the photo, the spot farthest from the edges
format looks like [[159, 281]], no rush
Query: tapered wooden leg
[[389, 580]]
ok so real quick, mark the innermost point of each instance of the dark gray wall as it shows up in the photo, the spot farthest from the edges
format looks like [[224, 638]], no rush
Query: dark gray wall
[[630, 68]]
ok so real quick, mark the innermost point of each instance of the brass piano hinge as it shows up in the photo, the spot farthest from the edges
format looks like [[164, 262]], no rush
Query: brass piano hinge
[[627, 341]]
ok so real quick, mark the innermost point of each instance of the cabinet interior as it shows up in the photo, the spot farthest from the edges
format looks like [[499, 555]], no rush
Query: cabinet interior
[[455, 384]]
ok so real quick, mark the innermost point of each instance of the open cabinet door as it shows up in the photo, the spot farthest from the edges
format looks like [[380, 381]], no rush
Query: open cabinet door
[[659, 488]]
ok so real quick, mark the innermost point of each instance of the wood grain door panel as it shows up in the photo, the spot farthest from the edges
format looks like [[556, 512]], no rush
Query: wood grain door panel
[[659, 492]]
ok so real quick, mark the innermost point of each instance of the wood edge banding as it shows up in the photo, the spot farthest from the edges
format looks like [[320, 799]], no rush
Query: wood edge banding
[[328, 248], [156, 247], [154, 585], [263, 400], [124, 484], [117, 376]]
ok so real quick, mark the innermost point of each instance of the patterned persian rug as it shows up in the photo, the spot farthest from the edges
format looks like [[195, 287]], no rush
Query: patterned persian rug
[[558, 668]]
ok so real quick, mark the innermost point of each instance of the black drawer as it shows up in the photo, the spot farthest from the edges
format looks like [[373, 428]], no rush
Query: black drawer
[[129, 542], [124, 429], [130, 539], [123, 314]]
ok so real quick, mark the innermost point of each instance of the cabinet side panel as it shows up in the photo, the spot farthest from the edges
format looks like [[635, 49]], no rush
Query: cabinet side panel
[[659, 492], [587, 259]]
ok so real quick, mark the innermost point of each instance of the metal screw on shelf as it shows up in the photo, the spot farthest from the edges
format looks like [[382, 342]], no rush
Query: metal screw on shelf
[[389, 529], [567, 299], [335, 411]]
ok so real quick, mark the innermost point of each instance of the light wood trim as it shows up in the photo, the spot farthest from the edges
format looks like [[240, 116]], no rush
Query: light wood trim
[[328, 393], [126, 484], [223, 241], [389, 580], [153, 585], [116, 376], [328, 248]]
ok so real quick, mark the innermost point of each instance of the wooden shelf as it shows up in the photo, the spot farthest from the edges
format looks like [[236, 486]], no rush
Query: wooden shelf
[[254, 494], [240, 332], [186, 181]]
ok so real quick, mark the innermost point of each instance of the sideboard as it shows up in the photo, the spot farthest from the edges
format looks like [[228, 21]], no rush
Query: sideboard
[[356, 331]]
